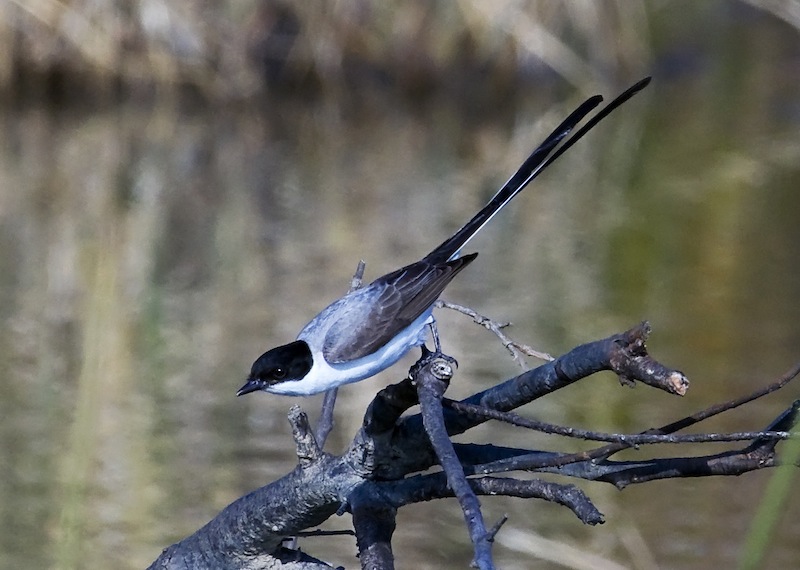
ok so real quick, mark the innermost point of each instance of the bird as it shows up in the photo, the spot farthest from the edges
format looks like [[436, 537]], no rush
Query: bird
[[369, 329]]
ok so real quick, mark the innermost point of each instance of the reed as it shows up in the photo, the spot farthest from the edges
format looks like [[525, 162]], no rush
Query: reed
[[235, 50]]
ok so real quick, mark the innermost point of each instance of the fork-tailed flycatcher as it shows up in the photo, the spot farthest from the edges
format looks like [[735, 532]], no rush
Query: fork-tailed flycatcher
[[371, 328]]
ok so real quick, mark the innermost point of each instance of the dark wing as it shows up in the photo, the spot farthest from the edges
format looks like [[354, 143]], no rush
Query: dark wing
[[389, 304]]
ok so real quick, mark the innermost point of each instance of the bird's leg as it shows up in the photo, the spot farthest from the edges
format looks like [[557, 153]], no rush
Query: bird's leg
[[437, 347]]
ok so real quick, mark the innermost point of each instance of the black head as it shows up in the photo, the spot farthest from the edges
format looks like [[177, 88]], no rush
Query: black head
[[285, 363]]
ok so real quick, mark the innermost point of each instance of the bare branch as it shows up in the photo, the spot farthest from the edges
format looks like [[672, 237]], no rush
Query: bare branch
[[496, 527], [725, 406], [320, 532], [325, 423], [308, 452], [517, 350], [593, 464], [374, 520], [413, 451], [627, 439], [423, 488], [376, 475], [632, 362], [432, 375], [248, 532]]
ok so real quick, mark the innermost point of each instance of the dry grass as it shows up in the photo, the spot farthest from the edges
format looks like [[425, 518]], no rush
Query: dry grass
[[234, 50]]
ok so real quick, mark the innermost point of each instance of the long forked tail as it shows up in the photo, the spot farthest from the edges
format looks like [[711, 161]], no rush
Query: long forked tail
[[542, 157]]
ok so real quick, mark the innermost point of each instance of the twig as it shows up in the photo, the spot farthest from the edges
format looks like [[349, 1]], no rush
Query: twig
[[432, 486], [325, 423], [762, 446], [496, 527], [516, 349], [731, 404], [358, 275], [320, 532], [628, 439]]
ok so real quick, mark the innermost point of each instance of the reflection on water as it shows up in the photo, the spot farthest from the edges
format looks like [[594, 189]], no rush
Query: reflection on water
[[148, 256]]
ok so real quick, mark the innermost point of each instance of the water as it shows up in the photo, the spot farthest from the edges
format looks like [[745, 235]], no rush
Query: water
[[148, 255]]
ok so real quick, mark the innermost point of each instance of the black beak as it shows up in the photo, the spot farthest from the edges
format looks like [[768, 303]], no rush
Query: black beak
[[252, 385]]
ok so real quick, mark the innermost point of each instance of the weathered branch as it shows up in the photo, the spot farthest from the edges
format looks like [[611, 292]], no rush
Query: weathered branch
[[248, 532], [432, 376], [422, 488], [607, 354], [592, 465], [380, 471], [374, 520], [621, 438]]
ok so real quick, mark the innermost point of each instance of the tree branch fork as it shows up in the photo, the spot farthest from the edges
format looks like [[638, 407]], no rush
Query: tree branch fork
[[383, 469]]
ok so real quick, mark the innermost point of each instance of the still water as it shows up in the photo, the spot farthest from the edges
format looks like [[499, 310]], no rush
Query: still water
[[148, 255]]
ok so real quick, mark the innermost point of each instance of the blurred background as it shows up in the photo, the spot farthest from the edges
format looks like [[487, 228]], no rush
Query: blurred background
[[184, 184]]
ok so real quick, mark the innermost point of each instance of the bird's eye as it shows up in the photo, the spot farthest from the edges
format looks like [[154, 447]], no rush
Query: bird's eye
[[278, 373]]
